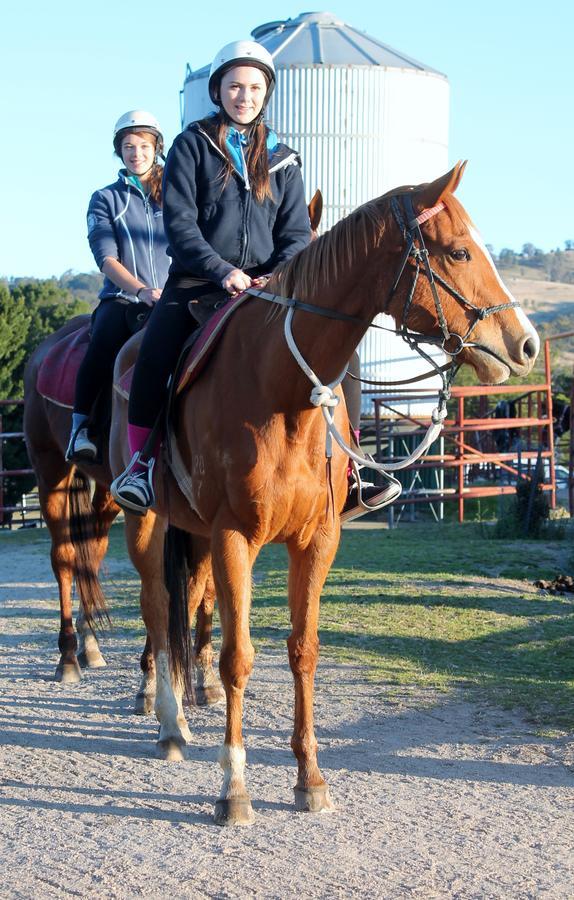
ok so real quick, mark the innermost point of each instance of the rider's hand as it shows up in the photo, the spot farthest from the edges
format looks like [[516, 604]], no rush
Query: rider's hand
[[236, 281], [149, 296]]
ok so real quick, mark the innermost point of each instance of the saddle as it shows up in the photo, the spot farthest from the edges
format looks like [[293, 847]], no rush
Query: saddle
[[57, 374], [197, 350], [59, 370]]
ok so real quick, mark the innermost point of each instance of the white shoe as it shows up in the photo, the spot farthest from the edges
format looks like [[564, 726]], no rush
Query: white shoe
[[81, 448]]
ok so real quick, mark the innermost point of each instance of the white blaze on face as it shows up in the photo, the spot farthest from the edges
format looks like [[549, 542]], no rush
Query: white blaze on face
[[520, 315]]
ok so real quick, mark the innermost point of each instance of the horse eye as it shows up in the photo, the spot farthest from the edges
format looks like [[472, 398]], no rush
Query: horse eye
[[461, 254]]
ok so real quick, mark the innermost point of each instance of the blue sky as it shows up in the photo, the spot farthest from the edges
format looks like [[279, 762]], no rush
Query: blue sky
[[69, 70]]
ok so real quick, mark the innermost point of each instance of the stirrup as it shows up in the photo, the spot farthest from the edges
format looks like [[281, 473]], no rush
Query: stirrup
[[132, 490], [382, 496]]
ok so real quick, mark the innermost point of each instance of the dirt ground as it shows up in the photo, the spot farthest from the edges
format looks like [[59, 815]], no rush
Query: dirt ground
[[435, 796]]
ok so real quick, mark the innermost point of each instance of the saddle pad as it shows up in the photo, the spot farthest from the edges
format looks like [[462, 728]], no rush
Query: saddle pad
[[56, 379], [196, 356]]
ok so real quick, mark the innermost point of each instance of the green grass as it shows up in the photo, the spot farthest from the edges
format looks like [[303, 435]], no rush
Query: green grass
[[422, 607]]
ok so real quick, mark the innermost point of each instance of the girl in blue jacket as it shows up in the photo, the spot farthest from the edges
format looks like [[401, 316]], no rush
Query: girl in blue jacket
[[234, 208], [127, 238]]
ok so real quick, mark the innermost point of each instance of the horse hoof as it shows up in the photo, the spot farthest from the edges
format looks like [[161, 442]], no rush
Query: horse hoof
[[235, 811], [144, 705], [91, 660], [210, 695], [313, 799], [171, 750], [68, 673]]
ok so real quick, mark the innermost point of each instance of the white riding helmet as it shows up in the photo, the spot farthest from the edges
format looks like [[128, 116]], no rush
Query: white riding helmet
[[138, 120], [241, 53]]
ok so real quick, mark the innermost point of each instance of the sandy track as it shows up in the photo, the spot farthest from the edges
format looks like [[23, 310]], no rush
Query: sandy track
[[443, 799]]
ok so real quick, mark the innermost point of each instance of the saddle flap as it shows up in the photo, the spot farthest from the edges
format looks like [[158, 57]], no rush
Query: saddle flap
[[57, 373]]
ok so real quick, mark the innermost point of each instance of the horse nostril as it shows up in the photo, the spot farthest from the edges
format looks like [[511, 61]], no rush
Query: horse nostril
[[530, 349]]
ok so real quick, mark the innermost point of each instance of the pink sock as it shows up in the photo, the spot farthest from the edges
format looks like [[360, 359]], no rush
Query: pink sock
[[137, 437]]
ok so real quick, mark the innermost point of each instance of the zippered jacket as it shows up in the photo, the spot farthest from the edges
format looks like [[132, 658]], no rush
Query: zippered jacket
[[126, 225], [214, 227]]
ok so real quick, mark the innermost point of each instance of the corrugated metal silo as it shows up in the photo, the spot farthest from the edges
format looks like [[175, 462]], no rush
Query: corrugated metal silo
[[365, 118]]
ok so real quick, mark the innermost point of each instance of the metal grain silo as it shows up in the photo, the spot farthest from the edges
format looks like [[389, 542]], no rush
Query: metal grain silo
[[365, 118]]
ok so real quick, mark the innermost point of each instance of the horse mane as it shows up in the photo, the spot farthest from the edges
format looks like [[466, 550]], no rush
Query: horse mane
[[323, 260]]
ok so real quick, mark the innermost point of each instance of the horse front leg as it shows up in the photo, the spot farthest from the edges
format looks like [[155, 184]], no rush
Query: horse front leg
[[308, 568], [233, 559], [105, 511], [54, 496], [208, 688]]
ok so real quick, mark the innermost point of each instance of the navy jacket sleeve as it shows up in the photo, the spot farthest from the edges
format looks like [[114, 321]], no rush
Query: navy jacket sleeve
[[292, 229], [186, 241], [101, 234]]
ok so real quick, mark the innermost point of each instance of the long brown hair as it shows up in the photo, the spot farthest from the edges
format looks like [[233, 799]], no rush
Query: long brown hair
[[156, 173], [256, 157]]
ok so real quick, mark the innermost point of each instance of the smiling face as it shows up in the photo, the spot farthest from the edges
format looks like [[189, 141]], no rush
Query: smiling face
[[138, 153], [242, 93]]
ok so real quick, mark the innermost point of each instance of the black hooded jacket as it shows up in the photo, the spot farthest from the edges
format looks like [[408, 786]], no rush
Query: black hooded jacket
[[213, 227]]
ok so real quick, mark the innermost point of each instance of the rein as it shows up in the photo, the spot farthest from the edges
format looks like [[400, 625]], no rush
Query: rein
[[323, 395]]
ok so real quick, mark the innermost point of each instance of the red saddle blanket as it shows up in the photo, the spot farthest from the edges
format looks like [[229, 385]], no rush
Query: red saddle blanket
[[197, 356], [57, 374]]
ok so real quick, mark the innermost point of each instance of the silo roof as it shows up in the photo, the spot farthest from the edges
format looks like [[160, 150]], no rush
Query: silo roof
[[315, 38]]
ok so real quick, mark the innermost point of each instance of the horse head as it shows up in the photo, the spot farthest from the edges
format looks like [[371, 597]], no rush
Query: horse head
[[460, 293]]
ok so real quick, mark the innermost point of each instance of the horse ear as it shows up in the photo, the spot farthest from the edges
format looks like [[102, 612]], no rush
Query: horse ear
[[315, 209], [431, 194]]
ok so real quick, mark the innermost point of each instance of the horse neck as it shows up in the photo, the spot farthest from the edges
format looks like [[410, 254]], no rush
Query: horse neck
[[327, 344]]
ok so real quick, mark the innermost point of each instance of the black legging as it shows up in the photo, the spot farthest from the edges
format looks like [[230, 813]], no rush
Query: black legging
[[109, 333], [352, 392], [168, 327]]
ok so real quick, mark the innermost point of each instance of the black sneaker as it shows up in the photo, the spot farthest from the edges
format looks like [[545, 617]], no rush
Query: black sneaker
[[371, 498], [133, 490]]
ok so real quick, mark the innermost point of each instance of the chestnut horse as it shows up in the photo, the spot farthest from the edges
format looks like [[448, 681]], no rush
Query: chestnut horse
[[254, 443], [79, 521]]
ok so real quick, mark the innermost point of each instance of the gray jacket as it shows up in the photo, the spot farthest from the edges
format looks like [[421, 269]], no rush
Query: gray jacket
[[125, 225]]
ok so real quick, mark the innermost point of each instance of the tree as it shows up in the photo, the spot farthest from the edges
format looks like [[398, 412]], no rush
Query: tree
[[15, 320], [507, 257], [29, 312]]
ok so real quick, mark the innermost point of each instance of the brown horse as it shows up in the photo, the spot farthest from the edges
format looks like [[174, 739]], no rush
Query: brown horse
[[79, 521], [254, 444]]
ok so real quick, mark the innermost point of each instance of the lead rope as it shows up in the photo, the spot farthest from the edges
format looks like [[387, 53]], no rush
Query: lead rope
[[323, 396]]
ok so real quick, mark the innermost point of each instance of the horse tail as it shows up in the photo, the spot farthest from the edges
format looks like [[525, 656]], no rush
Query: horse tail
[[84, 531], [177, 572]]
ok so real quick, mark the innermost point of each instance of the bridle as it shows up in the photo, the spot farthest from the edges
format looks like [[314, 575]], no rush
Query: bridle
[[410, 225], [324, 396]]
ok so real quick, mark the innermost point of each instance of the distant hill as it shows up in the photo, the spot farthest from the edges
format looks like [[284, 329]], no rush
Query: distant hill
[[550, 305]]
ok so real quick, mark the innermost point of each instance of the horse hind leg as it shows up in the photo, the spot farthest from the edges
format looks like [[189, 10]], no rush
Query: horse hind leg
[[145, 697], [145, 539], [91, 520], [208, 688]]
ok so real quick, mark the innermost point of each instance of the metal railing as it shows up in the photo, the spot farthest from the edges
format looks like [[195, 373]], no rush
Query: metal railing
[[26, 512]]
